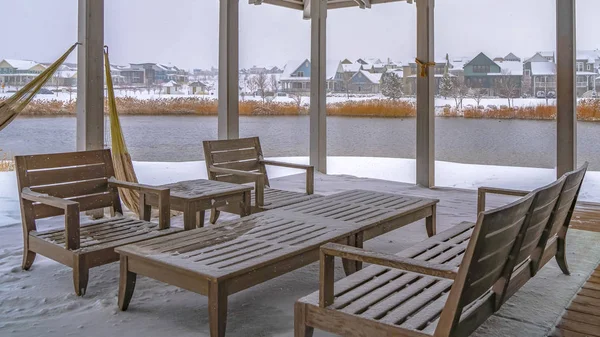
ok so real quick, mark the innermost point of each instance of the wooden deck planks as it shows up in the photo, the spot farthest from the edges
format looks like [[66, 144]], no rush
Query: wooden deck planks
[[582, 317]]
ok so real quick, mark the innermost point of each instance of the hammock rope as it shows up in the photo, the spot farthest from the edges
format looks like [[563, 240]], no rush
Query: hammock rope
[[14, 105], [122, 162]]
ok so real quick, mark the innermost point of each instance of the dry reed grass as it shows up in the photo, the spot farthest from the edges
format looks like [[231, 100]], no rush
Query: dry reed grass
[[6, 164], [373, 108], [587, 109]]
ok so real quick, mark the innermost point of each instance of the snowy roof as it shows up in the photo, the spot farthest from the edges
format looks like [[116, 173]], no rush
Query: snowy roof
[[515, 68], [21, 64], [351, 68], [512, 57], [372, 77], [171, 83], [538, 57], [588, 55], [543, 68], [331, 66], [291, 66], [459, 62]]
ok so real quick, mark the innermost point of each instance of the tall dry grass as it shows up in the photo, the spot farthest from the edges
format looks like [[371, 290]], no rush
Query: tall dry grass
[[373, 108], [587, 109], [6, 163]]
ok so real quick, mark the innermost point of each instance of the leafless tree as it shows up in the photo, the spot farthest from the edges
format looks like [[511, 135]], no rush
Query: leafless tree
[[477, 95], [273, 83], [346, 79], [251, 85], [297, 97], [508, 86], [262, 84], [459, 91]]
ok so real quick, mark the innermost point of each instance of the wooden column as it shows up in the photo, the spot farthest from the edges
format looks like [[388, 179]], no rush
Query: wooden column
[[425, 95], [318, 86], [229, 116], [90, 75], [566, 89]]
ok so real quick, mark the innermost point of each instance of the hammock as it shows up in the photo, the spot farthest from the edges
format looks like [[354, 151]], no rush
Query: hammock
[[121, 159], [12, 106]]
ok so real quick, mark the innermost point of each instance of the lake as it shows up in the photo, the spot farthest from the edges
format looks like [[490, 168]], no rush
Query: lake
[[179, 138]]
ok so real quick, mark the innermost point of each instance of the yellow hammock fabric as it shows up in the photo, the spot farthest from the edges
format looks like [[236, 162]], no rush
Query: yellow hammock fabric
[[120, 155], [12, 106]]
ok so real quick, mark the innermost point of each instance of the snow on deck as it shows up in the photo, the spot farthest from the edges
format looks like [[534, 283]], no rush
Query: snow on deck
[[41, 301]]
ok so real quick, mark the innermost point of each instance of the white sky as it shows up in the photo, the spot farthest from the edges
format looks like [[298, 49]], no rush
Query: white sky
[[185, 32]]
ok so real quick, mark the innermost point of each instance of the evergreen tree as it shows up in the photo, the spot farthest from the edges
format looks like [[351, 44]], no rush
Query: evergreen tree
[[446, 84], [391, 85]]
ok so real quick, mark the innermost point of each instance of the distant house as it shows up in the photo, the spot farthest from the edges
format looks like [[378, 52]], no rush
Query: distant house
[[411, 71], [483, 73], [157, 73], [133, 75], [19, 72], [296, 76], [170, 88], [197, 88], [364, 82]]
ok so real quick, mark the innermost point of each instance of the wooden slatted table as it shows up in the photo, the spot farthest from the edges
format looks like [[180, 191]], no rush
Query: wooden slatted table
[[221, 260], [194, 197]]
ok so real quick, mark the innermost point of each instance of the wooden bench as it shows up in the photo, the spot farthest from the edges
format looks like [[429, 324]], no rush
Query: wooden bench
[[411, 293], [220, 260], [70, 183], [241, 161]]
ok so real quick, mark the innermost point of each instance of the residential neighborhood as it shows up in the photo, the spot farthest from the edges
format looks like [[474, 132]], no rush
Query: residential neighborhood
[[508, 76]]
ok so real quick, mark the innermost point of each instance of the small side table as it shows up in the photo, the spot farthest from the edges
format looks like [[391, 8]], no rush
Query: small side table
[[194, 197]]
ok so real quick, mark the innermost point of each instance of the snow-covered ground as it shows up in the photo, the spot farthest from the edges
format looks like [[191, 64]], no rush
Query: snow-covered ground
[[41, 301]]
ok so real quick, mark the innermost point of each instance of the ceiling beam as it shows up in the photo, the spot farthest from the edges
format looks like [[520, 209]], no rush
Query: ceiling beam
[[306, 14]]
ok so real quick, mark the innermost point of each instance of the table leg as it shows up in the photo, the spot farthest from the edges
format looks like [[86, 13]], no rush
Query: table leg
[[245, 204], [430, 222], [200, 218], [349, 265], [217, 309], [189, 216], [358, 243]]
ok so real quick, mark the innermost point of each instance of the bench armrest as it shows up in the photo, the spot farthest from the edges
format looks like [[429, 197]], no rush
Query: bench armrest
[[259, 181], [331, 250], [482, 191], [71, 209], [310, 172], [164, 200]]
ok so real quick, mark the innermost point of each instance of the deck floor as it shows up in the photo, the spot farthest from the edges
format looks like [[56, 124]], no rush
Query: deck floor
[[582, 317]]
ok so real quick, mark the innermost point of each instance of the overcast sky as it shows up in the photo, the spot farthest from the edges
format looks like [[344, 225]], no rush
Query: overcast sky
[[185, 32]]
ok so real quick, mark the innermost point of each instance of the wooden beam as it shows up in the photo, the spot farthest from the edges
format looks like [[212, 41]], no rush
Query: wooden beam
[[425, 95], [318, 86], [228, 120], [566, 89], [90, 75], [306, 12]]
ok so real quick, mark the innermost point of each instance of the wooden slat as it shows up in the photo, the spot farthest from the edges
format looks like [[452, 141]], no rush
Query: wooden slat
[[36, 162], [247, 165], [69, 174], [231, 144], [233, 156], [88, 202], [235, 179], [79, 188]]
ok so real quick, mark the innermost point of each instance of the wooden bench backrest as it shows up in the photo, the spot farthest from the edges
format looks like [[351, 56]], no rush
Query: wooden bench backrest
[[244, 154], [542, 214], [489, 257], [567, 200], [78, 176]]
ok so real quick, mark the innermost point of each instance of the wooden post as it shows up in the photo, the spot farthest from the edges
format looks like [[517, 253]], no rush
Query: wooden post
[[425, 95], [229, 123], [90, 75], [318, 86], [566, 89]]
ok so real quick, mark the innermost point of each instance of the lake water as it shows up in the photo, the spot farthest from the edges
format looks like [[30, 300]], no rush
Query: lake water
[[179, 138]]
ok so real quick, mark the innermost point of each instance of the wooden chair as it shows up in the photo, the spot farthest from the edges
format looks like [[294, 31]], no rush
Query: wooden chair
[[553, 238], [70, 183], [403, 296], [241, 161]]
